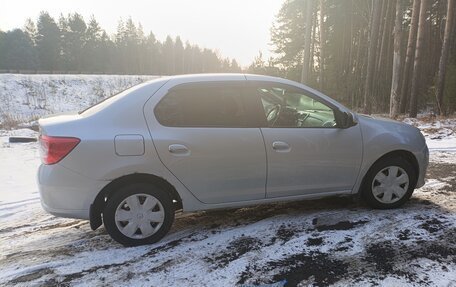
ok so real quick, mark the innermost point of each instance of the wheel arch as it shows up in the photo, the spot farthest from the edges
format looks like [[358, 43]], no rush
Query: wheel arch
[[96, 208], [405, 154]]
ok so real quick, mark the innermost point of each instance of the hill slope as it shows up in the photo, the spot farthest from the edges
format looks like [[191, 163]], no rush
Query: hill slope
[[25, 97]]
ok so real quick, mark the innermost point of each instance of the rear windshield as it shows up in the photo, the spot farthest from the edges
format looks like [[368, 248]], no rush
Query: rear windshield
[[105, 102], [109, 100]]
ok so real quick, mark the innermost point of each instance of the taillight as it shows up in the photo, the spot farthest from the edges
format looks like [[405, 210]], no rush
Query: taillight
[[54, 149]]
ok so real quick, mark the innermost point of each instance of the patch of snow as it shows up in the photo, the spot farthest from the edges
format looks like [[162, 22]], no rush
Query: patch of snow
[[440, 134], [18, 166], [432, 184]]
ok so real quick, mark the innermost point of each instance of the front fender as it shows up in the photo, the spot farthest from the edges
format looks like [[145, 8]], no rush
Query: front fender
[[383, 136]]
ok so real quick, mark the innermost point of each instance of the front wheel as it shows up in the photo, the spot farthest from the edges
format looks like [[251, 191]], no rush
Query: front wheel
[[138, 214], [389, 183]]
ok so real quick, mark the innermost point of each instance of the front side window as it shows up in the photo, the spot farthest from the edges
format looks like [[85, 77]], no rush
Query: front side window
[[292, 108], [202, 107]]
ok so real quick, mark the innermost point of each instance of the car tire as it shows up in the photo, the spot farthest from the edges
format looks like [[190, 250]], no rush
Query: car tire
[[389, 183], [138, 214]]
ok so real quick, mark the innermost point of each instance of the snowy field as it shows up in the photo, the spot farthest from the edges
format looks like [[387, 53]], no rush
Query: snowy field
[[26, 97], [335, 241]]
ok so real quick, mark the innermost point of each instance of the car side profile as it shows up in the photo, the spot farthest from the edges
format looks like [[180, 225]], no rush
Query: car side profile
[[200, 142]]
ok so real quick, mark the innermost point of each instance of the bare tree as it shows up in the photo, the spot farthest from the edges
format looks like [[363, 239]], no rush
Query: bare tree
[[307, 39], [395, 89], [410, 55], [417, 66], [444, 56]]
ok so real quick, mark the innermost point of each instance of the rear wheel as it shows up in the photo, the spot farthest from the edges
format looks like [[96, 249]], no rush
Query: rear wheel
[[138, 214], [389, 183]]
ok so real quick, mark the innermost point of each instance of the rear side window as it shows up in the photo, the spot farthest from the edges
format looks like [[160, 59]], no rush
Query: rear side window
[[202, 107]]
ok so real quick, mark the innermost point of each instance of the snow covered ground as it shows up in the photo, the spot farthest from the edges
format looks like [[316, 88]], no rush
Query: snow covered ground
[[26, 97], [333, 241]]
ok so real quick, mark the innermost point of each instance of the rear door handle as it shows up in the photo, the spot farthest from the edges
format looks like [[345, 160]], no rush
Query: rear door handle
[[280, 146], [178, 149]]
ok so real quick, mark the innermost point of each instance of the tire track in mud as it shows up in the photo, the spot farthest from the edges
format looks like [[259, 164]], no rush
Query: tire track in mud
[[377, 261], [20, 280], [18, 203], [39, 253], [67, 279], [307, 265]]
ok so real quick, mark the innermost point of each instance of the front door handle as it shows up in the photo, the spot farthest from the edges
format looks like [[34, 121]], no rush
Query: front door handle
[[280, 146], [178, 149]]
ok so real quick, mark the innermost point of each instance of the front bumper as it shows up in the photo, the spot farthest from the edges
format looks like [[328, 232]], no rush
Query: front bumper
[[65, 193], [423, 163]]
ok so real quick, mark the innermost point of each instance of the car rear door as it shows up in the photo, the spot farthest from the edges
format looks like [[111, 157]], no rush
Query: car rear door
[[204, 137]]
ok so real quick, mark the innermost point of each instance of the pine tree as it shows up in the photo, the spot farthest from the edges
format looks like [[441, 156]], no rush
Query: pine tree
[[287, 37], [106, 60], [76, 40], [396, 78], [30, 30], [373, 47], [189, 58], [168, 56], [2, 49], [179, 56], [307, 43], [418, 63], [410, 55], [17, 51], [444, 56], [152, 55], [92, 47], [234, 67], [48, 42]]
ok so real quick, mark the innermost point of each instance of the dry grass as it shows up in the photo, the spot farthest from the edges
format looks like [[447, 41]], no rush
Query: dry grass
[[9, 122]]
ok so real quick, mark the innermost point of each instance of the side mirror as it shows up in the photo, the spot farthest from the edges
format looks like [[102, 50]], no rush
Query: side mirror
[[344, 119]]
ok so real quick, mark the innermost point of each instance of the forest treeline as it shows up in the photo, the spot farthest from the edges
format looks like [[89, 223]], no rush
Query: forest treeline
[[73, 45], [376, 56]]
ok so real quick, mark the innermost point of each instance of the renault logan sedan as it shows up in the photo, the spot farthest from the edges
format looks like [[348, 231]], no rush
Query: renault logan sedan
[[202, 142]]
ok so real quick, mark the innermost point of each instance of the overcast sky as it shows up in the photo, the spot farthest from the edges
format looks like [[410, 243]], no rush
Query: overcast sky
[[236, 28]]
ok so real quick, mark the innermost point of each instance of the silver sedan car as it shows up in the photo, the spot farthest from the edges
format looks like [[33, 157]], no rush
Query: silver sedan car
[[202, 142]]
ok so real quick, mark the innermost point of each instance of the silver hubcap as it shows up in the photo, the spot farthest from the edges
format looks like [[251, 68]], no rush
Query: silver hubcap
[[139, 216], [390, 184]]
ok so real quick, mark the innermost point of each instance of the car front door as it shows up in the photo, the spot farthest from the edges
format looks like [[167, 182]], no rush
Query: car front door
[[307, 152], [203, 136]]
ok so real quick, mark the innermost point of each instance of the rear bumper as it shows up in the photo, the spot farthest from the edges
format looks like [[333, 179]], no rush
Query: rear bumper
[[65, 193], [69, 213]]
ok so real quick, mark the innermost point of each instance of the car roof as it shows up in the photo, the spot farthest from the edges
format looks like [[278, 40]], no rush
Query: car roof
[[220, 77]]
